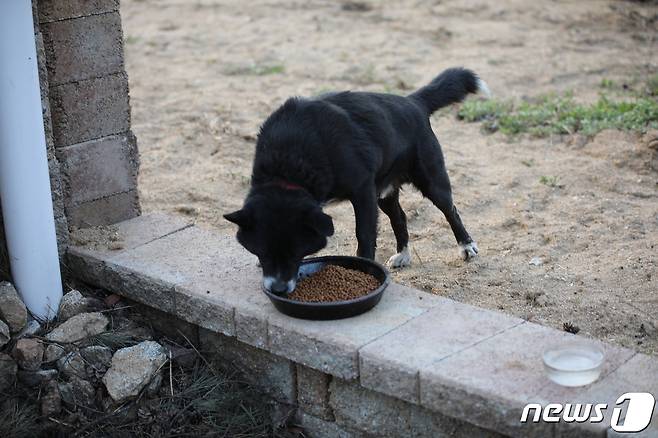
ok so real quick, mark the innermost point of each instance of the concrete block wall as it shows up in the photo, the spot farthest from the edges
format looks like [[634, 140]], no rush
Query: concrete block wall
[[93, 153]]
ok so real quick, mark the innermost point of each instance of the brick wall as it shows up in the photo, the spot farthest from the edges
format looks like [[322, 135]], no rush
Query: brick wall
[[88, 112]]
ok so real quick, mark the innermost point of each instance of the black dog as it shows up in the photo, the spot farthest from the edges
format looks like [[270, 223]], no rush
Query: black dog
[[351, 146]]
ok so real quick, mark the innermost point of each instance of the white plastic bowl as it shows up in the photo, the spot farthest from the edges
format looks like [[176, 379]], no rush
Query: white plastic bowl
[[574, 364]]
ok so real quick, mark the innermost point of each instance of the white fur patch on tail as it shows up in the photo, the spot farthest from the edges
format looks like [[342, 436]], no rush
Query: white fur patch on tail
[[483, 88]]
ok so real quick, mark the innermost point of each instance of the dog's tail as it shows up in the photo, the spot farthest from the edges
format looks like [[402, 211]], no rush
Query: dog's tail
[[451, 86]]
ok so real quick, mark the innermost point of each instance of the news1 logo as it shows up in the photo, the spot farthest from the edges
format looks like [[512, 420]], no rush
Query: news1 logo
[[638, 412]]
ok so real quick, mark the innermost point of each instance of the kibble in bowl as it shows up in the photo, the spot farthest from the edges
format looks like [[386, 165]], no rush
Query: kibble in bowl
[[334, 287], [334, 283]]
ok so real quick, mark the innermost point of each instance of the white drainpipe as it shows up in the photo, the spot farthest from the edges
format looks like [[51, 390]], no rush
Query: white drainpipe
[[27, 207]]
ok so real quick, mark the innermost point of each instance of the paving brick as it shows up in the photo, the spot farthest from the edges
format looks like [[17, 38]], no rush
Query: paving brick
[[491, 382], [272, 374], [104, 211], [89, 109], [313, 392], [53, 10], [391, 363], [377, 414], [83, 48], [99, 168], [624, 372], [332, 346]]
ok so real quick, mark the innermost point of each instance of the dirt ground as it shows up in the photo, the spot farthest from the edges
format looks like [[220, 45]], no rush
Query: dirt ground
[[205, 74]]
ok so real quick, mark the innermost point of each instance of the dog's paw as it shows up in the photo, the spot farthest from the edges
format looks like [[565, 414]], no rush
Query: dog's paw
[[468, 250], [400, 260]]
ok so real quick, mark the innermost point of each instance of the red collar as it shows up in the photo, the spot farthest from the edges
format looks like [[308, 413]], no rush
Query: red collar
[[287, 185]]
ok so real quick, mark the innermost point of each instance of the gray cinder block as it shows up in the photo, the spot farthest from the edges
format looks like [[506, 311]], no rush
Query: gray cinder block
[[89, 109], [99, 168], [104, 211], [83, 48], [54, 10]]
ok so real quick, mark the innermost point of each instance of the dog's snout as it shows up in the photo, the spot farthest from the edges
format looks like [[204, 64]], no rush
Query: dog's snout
[[280, 287]]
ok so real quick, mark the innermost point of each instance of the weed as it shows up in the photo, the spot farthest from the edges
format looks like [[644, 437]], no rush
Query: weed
[[554, 114], [550, 181]]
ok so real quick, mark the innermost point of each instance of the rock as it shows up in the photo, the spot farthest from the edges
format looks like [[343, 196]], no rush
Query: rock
[[77, 392], [536, 261], [31, 328], [98, 357], [28, 352], [79, 327], [132, 369], [12, 309], [53, 352], [51, 400], [112, 299], [72, 365], [37, 378], [4, 334], [8, 370], [73, 303]]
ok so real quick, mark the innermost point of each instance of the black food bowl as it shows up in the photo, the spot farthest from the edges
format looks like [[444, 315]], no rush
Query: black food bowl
[[333, 309]]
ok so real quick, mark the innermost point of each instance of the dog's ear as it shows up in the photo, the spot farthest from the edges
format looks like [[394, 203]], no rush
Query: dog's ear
[[243, 218], [321, 222]]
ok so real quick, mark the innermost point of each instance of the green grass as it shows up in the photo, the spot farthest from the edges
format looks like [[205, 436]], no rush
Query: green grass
[[555, 114], [550, 181]]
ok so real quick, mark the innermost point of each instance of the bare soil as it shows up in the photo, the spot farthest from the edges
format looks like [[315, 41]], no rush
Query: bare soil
[[205, 74]]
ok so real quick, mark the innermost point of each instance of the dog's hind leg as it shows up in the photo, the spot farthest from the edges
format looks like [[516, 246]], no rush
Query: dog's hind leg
[[390, 205], [431, 178], [364, 203]]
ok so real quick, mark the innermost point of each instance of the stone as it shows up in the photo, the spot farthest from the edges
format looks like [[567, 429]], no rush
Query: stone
[[536, 261], [313, 392], [37, 378], [377, 414], [28, 353], [31, 329], [391, 363], [77, 392], [89, 109], [51, 400], [73, 364], [97, 168], [53, 352], [12, 309], [79, 327], [107, 210], [98, 357], [73, 303], [55, 10], [8, 370], [272, 374], [132, 369], [83, 48], [5, 336]]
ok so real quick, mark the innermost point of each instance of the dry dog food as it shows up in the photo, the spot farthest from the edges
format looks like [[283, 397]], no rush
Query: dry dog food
[[334, 283]]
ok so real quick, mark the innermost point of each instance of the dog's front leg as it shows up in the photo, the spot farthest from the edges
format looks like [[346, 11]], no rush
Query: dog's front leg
[[365, 213]]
